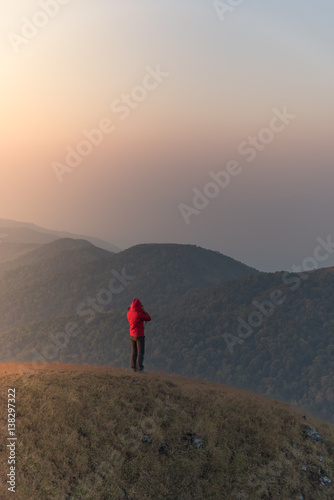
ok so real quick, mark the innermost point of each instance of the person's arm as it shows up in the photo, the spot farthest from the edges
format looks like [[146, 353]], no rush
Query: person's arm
[[145, 316]]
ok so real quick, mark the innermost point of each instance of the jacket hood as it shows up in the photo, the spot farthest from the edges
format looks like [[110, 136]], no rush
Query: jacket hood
[[136, 305]]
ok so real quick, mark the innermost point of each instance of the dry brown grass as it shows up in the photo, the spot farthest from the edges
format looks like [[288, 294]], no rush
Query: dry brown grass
[[79, 432]]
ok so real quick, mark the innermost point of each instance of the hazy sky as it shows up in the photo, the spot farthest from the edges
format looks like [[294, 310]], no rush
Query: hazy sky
[[181, 89]]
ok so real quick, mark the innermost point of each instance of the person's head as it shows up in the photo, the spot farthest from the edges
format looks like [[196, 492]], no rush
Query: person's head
[[136, 304]]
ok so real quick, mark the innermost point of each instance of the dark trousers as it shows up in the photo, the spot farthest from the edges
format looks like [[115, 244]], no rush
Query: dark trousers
[[138, 351]]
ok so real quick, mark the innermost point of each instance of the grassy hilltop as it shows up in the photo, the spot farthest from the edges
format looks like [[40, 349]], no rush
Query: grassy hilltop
[[80, 433]]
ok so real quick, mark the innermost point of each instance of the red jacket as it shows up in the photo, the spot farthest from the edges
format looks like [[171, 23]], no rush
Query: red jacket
[[136, 317]]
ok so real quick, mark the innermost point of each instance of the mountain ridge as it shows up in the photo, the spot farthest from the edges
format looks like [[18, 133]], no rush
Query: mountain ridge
[[43, 235], [169, 274], [199, 328]]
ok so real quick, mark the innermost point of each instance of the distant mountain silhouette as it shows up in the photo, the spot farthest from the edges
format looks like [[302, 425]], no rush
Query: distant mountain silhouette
[[50, 259], [53, 280], [25, 233]]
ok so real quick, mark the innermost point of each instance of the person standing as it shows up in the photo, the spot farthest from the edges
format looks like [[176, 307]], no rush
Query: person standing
[[136, 316]]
